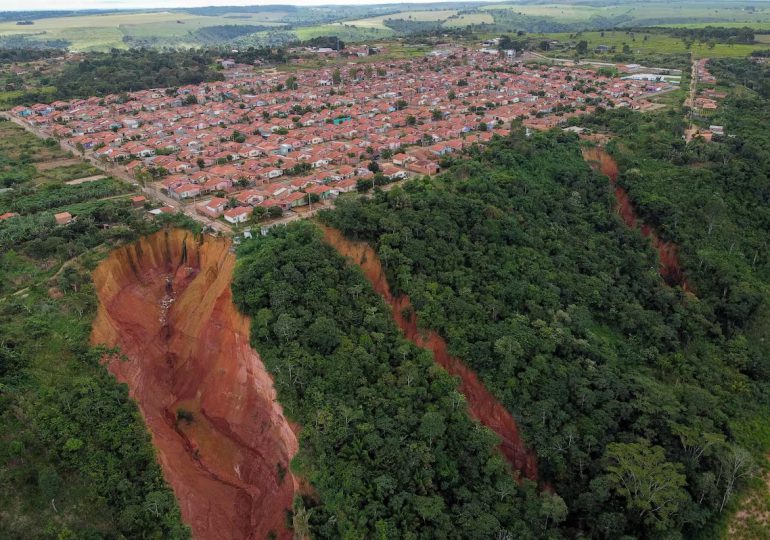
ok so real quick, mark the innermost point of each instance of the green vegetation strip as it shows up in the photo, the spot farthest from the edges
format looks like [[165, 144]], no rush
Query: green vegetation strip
[[75, 458]]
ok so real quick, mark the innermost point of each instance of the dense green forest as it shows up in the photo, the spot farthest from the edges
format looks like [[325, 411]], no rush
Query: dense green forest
[[75, 458], [135, 69], [619, 382], [386, 441], [99, 74]]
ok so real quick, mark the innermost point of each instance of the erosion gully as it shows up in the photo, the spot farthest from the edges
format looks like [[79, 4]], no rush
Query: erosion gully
[[670, 269], [221, 437], [483, 406]]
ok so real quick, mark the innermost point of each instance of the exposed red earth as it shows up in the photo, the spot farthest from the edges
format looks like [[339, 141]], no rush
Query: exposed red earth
[[483, 406], [670, 269], [221, 437]]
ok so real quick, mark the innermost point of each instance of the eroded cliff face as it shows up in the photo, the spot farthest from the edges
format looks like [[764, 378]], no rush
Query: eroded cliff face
[[670, 269], [221, 437], [483, 406]]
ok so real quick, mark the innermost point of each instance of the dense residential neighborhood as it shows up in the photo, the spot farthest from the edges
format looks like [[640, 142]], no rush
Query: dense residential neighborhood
[[283, 140]]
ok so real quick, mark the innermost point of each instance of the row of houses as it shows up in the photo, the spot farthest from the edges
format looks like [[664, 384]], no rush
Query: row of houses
[[284, 133]]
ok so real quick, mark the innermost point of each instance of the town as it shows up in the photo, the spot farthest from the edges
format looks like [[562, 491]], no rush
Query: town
[[263, 145]]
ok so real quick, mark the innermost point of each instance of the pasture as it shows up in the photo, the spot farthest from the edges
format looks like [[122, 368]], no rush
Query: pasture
[[435, 15], [655, 43], [102, 32], [468, 19], [648, 13]]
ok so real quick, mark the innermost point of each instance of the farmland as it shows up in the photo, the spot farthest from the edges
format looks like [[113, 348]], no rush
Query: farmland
[[641, 14], [101, 32], [417, 16], [658, 43], [274, 25]]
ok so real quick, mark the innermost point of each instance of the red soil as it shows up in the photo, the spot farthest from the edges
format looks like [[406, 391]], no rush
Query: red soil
[[670, 269], [482, 404], [165, 301]]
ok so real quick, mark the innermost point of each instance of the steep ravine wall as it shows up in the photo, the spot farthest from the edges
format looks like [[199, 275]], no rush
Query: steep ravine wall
[[166, 302], [670, 269], [482, 405]]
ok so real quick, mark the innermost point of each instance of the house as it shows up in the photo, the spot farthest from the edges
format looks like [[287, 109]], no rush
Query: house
[[423, 167], [214, 208], [137, 201], [292, 200], [62, 218], [185, 191], [323, 192], [345, 186], [393, 172], [239, 214], [8, 215]]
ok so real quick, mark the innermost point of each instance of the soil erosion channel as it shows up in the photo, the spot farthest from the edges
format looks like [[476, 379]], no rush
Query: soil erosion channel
[[670, 269], [482, 404], [221, 437]]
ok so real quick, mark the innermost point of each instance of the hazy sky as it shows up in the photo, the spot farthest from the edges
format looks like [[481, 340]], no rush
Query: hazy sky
[[19, 5]]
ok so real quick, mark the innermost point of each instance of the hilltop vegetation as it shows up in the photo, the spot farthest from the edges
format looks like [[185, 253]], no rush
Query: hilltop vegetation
[[386, 440], [138, 69], [517, 259]]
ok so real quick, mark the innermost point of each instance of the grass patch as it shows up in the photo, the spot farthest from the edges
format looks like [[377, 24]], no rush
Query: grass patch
[[67, 172], [650, 43]]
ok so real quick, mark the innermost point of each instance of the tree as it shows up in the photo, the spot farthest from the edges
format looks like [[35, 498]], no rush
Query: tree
[[285, 327], [373, 166], [736, 466], [323, 334], [652, 487], [582, 47], [363, 185], [432, 426], [258, 214], [553, 510], [336, 77]]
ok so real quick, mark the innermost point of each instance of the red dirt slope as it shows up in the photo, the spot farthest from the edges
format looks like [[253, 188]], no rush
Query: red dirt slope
[[482, 404], [165, 301], [670, 269]]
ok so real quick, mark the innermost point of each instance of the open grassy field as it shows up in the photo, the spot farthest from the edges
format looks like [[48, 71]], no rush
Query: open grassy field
[[561, 12], [101, 32], [15, 144], [467, 19], [756, 24], [655, 43], [345, 31], [653, 13], [437, 15]]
